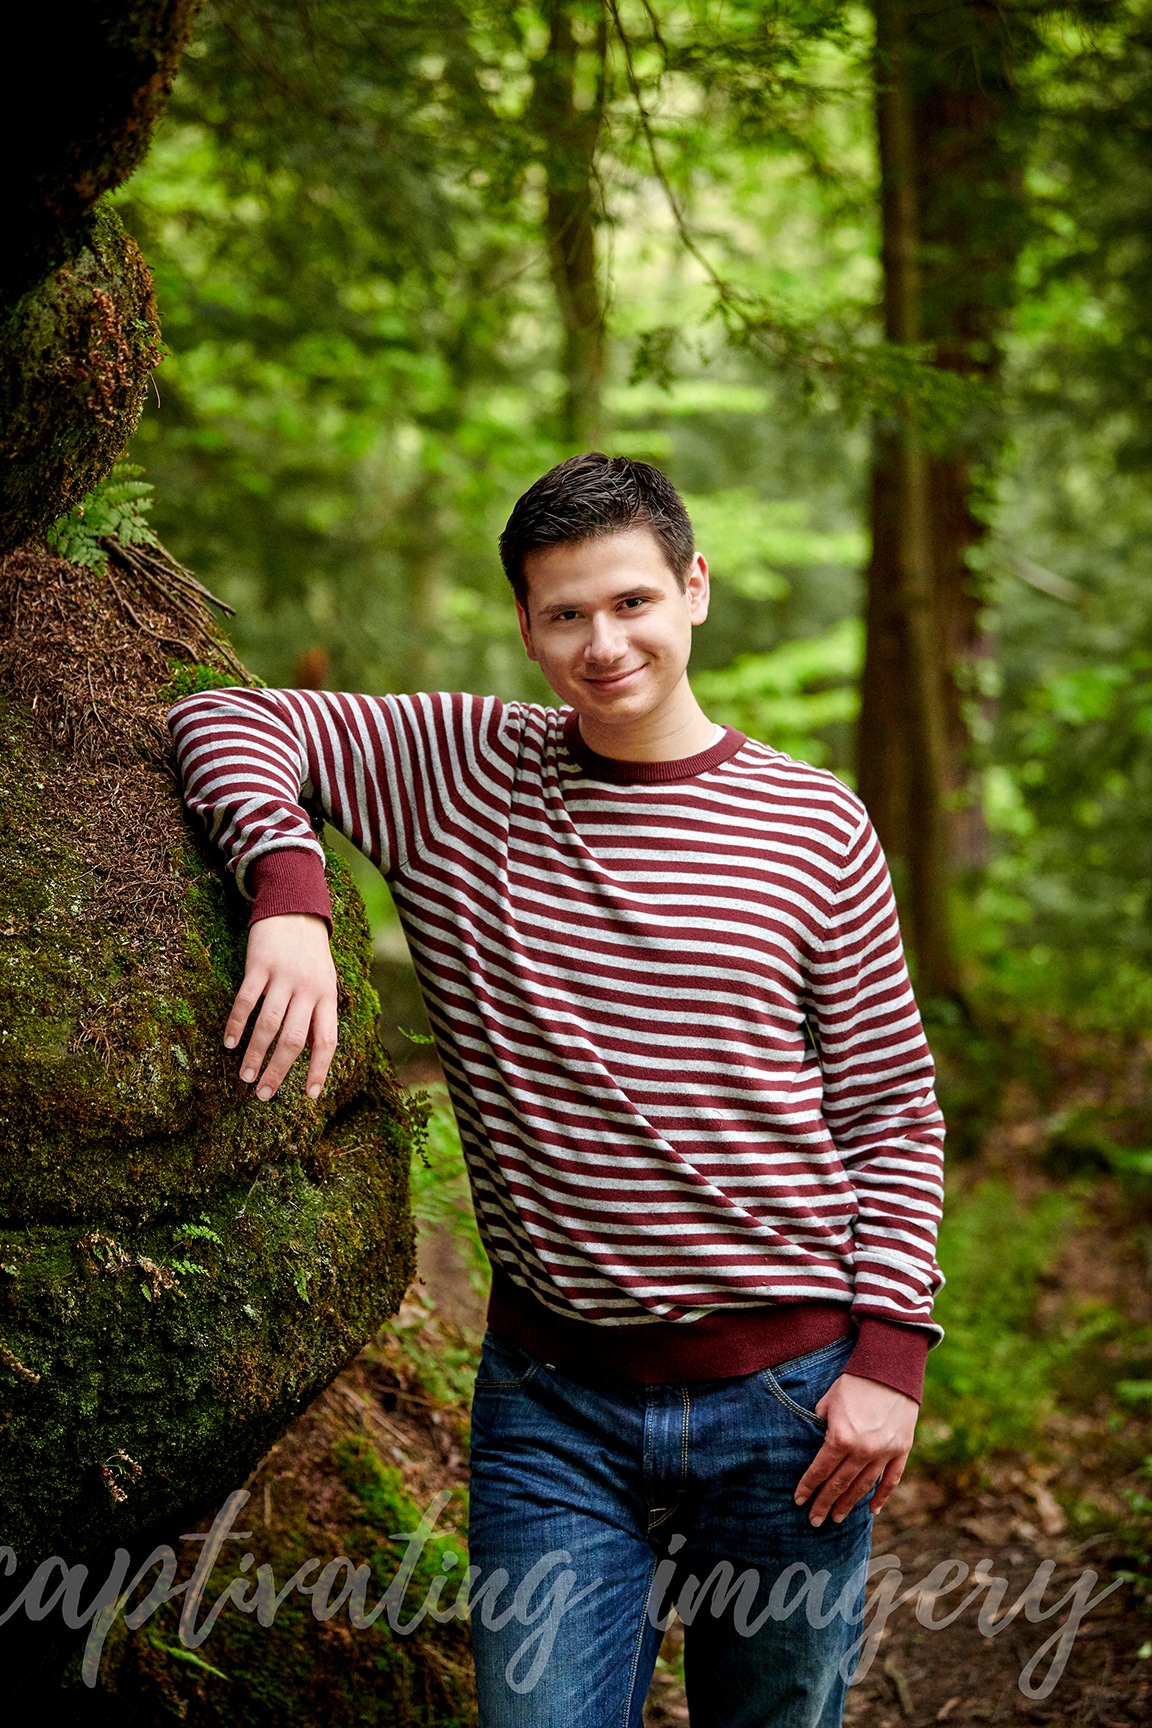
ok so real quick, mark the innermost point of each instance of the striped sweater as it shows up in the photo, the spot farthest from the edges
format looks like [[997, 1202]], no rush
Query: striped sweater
[[669, 998]]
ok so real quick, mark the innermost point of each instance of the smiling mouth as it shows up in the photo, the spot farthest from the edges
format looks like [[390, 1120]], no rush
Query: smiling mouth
[[612, 678]]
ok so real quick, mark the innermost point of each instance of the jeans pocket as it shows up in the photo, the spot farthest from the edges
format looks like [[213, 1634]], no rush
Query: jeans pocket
[[801, 1383], [503, 1366]]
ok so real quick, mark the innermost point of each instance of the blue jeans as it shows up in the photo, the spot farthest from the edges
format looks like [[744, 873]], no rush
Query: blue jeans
[[604, 1503]]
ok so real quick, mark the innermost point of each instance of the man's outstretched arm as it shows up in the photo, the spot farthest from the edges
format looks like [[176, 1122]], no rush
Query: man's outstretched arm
[[375, 765]]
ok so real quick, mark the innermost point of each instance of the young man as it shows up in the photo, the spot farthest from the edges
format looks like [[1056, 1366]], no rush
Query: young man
[[665, 974]]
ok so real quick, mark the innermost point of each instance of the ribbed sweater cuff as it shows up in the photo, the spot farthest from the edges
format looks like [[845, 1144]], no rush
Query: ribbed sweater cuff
[[289, 880], [894, 1355]]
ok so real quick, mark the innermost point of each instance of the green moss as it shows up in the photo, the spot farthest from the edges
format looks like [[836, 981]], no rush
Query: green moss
[[115, 1093], [191, 1374], [298, 1669], [188, 679], [76, 353]]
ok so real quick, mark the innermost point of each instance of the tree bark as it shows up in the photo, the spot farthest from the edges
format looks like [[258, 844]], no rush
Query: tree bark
[[973, 222], [905, 662], [953, 223], [569, 132]]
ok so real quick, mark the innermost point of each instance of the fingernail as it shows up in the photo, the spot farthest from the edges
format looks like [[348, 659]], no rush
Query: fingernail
[[229, 1043], [264, 1092], [247, 1073], [839, 1517], [816, 1523], [313, 1091]]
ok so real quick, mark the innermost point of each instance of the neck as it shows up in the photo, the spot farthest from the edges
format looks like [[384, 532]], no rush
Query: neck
[[678, 728]]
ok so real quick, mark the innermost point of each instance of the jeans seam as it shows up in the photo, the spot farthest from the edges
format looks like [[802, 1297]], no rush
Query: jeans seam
[[778, 1392], [684, 1393], [665, 1512], [637, 1646]]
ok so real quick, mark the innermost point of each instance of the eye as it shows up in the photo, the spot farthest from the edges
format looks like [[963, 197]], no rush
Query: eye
[[635, 600]]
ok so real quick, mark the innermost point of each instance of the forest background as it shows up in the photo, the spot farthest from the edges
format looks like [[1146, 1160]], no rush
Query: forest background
[[838, 272]]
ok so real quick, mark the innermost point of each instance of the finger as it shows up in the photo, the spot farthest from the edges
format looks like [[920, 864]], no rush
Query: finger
[[838, 1483], [249, 993], [826, 1460], [273, 1012], [323, 1041], [891, 1479], [855, 1492], [293, 1037]]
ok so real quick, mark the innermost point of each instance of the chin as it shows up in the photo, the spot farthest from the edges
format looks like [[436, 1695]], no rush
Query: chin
[[620, 712]]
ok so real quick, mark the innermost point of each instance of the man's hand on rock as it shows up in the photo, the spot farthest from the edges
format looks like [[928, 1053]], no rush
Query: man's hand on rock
[[289, 964]]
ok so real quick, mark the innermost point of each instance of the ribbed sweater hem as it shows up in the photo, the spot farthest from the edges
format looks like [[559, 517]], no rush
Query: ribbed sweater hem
[[719, 1346]]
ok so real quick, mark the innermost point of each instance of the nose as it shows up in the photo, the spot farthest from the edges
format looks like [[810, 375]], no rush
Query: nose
[[607, 640]]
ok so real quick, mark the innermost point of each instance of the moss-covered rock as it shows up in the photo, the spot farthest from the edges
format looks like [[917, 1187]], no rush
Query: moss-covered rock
[[182, 1267], [76, 353]]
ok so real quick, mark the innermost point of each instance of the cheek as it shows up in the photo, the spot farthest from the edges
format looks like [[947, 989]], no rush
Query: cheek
[[663, 641], [557, 665]]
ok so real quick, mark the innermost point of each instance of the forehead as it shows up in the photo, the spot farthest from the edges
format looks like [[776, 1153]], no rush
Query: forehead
[[594, 569]]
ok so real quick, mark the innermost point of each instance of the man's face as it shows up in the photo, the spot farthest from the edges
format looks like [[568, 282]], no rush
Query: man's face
[[609, 625]]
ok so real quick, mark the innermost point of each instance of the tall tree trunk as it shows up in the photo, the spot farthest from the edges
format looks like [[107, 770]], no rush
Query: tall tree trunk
[[946, 107], [968, 133], [902, 622], [567, 119]]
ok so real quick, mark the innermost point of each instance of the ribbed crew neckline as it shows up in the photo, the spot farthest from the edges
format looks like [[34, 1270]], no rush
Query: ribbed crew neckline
[[648, 773]]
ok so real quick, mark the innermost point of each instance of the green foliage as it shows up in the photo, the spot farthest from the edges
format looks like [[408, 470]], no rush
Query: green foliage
[[202, 1232], [385, 1511], [991, 1382], [787, 697], [363, 367], [1065, 900], [751, 541], [288, 1671], [116, 508], [440, 1193]]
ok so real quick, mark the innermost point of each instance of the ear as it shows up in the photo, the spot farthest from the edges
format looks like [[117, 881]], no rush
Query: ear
[[525, 632], [696, 589]]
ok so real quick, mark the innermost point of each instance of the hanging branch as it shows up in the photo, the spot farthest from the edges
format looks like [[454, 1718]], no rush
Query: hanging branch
[[884, 375]]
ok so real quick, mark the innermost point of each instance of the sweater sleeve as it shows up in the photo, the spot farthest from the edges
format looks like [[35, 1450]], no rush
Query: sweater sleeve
[[380, 768], [881, 1111]]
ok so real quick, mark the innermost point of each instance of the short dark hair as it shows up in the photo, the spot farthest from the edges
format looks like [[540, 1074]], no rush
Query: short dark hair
[[591, 495]]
